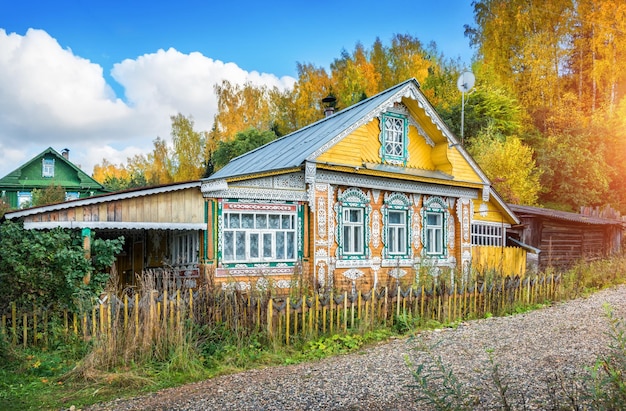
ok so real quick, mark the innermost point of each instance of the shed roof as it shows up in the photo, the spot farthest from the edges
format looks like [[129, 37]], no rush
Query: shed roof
[[522, 210], [102, 198]]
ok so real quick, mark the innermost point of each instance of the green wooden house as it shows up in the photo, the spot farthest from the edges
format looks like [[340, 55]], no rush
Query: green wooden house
[[45, 169]]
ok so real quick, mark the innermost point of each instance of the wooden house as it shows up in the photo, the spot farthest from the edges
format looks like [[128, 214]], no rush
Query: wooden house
[[566, 238], [361, 198], [366, 196], [43, 170]]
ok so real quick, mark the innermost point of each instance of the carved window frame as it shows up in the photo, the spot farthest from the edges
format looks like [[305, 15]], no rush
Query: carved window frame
[[293, 211], [352, 199], [399, 156], [435, 206], [397, 202]]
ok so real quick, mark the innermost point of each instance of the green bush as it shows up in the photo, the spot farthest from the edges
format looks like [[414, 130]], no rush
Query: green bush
[[49, 268]]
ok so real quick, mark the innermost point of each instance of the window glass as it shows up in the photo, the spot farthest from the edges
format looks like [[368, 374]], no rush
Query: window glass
[[267, 245], [234, 221], [229, 251], [254, 245], [280, 245], [24, 199], [47, 169], [247, 220], [396, 232], [353, 231], [240, 245], [274, 221], [433, 241]]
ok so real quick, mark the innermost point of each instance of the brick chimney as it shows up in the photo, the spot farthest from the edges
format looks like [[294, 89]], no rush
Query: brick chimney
[[66, 153]]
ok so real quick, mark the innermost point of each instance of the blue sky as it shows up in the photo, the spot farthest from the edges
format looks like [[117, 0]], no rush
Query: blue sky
[[103, 78]]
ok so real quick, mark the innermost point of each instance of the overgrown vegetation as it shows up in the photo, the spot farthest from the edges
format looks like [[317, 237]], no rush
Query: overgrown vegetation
[[129, 360], [53, 271]]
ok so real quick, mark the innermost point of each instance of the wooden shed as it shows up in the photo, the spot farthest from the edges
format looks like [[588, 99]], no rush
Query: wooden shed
[[565, 238], [163, 226]]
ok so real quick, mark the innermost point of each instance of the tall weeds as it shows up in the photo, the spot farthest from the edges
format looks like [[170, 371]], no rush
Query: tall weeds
[[150, 334]]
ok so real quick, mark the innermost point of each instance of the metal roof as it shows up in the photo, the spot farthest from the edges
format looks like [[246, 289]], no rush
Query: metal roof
[[102, 198], [562, 215], [294, 149]]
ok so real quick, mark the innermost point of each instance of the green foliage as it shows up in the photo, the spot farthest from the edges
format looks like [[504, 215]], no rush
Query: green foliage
[[487, 106], [116, 183], [52, 194], [575, 174], [607, 377], [49, 268], [437, 385], [242, 143], [332, 345]]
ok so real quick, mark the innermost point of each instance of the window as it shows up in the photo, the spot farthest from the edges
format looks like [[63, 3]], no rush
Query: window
[[47, 168], [353, 224], [257, 237], [433, 233], [353, 231], [487, 234], [396, 233], [24, 199], [393, 137], [184, 248], [71, 195]]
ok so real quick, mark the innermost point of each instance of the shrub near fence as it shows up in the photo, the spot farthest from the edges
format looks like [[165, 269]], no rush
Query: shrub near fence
[[285, 318]]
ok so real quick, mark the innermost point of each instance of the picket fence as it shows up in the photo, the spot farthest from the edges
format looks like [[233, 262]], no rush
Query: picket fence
[[283, 318]]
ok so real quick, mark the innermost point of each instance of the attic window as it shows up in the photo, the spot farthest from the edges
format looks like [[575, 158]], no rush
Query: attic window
[[47, 168], [393, 138]]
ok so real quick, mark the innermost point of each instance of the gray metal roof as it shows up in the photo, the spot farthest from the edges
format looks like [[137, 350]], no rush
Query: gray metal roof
[[294, 149]]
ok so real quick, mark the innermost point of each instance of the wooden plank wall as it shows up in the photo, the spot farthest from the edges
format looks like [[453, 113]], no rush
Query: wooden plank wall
[[182, 206], [565, 244]]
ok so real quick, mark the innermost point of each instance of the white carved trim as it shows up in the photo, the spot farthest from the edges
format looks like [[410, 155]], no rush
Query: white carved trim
[[353, 274], [382, 183], [397, 273], [375, 229]]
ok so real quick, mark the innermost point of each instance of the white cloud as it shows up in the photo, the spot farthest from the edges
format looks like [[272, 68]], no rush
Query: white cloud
[[51, 97]]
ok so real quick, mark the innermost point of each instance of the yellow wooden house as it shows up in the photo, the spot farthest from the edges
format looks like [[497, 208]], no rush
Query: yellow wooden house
[[367, 195]]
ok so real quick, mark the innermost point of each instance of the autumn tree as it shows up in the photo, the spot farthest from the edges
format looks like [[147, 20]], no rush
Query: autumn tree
[[190, 153], [354, 77], [240, 107], [509, 164]]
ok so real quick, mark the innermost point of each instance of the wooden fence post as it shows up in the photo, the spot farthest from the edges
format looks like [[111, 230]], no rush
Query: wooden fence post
[[270, 312], [287, 312]]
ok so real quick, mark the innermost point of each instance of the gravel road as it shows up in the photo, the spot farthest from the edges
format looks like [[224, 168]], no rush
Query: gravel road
[[535, 352]]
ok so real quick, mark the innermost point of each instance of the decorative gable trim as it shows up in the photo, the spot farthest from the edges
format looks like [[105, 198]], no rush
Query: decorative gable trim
[[408, 91]]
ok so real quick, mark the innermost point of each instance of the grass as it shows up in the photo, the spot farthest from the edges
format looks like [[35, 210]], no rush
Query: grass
[[126, 363]]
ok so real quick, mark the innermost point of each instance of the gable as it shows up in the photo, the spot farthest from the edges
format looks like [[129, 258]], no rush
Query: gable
[[425, 147], [49, 167]]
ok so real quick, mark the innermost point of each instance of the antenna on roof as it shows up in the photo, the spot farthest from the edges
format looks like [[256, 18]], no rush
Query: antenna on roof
[[464, 84]]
